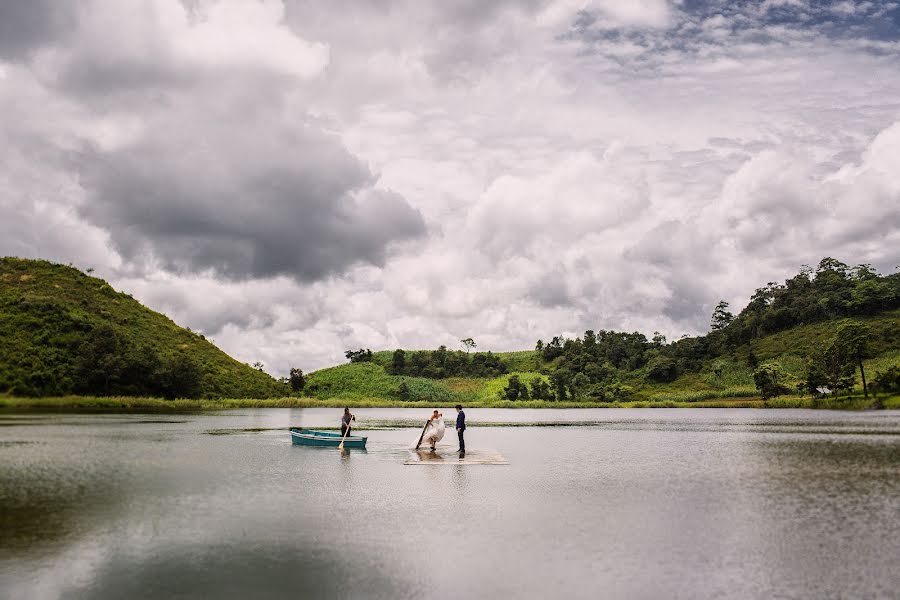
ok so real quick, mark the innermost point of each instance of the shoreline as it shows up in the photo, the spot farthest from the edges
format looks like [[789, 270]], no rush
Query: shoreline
[[139, 404]]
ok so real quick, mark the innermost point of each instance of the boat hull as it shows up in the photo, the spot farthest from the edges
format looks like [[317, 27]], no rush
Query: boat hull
[[311, 437]]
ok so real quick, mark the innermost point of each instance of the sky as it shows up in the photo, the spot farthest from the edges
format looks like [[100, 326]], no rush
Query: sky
[[294, 179]]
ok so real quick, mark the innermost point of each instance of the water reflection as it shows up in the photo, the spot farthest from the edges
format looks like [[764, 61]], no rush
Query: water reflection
[[694, 504]]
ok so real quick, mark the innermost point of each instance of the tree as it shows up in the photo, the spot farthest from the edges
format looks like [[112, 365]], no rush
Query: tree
[[359, 355], [853, 339], [658, 339], [830, 367], [590, 341], [178, 377], [515, 389], [297, 380], [100, 364], [540, 390], [403, 391], [578, 385], [468, 343], [752, 361], [769, 378], [887, 382], [558, 383], [721, 317], [258, 366], [662, 369], [398, 361]]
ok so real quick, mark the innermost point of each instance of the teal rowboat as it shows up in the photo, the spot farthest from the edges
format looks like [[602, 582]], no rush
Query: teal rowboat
[[312, 437]]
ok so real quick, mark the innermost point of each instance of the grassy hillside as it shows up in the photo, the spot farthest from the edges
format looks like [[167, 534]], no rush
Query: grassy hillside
[[724, 378], [50, 313]]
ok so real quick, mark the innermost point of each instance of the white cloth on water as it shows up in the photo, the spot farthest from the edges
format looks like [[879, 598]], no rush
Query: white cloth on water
[[435, 432]]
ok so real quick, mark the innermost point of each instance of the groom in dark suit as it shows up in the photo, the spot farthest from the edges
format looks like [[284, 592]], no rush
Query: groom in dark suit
[[461, 428]]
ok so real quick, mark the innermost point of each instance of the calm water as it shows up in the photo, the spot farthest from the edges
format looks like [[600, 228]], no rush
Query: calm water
[[630, 503]]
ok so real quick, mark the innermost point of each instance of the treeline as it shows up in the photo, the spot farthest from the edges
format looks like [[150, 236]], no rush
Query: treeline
[[834, 290], [106, 363], [589, 366], [832, 367], [437, 364], [592, 366]]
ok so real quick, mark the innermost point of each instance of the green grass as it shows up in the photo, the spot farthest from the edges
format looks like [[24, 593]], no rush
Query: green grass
[[806, 339], [369, 380], [521, 361], [698, 395], [47, 311]]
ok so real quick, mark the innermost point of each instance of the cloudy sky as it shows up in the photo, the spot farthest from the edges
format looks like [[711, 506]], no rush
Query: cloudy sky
[[297, 178]]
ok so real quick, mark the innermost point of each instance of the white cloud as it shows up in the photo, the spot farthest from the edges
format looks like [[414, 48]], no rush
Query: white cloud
[[615, 165], [165, 40], [640, 13]]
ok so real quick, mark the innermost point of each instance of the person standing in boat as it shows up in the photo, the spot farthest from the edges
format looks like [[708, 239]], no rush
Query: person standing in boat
[[461, 428], [345, 422]]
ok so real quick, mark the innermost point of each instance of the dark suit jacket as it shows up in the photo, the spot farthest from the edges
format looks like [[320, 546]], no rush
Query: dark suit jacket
[[461, 420]]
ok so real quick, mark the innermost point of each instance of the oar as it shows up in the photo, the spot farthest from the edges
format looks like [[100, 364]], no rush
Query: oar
[[343, 437], [421, 437]]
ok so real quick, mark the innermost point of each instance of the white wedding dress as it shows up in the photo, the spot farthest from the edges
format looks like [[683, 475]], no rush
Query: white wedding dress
[[435, 432]]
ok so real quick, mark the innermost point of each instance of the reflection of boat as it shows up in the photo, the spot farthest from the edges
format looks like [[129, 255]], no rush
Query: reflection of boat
[[312, 437]]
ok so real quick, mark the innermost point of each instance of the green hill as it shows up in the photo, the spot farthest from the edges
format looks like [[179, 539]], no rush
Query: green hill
[[798, 334], [65, 332], [727, 376]]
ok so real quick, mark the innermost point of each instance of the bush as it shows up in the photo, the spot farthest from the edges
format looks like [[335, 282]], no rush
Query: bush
[[662, 369], [887, 382], [768, 379]]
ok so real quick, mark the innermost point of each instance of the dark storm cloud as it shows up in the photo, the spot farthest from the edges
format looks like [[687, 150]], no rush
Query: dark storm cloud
[[254, 199], [550, 291], [25, 25]]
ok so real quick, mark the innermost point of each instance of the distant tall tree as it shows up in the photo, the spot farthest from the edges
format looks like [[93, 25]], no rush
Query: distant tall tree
[[590, 340], [258, 366], [297, 380], [558, 383], [721, 317], [659, 339], [468, 343], [540, 390], [853, 338], [398, 361]]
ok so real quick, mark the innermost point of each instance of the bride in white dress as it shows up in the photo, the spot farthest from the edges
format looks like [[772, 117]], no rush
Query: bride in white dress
[[435, 431]]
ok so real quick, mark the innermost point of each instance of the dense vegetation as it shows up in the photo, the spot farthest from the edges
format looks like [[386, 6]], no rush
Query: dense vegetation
[[835, 329], [817, 331], [437, 364], [65, 332]]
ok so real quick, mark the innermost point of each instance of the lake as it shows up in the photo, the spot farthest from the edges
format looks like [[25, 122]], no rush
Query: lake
[[617, 503]]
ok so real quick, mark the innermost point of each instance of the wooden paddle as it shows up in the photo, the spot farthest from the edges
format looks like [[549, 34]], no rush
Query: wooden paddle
[[343, 437], [421, 437]]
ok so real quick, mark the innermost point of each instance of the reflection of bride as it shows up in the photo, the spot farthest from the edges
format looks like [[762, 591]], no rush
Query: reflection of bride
[[435, 431]]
